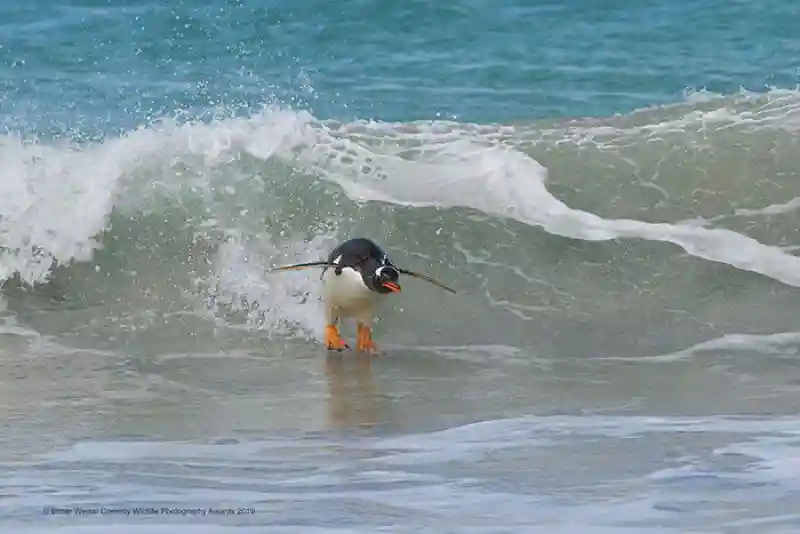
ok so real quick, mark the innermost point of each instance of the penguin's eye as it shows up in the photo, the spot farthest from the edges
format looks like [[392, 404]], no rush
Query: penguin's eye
[[388, 271]]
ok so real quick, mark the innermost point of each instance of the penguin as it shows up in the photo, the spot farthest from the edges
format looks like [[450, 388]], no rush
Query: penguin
[[356, 276]]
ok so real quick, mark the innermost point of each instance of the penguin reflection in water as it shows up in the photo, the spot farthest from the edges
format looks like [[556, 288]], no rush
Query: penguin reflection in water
[[355, 277]]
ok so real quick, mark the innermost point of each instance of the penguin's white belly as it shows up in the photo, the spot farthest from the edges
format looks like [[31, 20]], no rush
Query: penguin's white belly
[[346, 293]]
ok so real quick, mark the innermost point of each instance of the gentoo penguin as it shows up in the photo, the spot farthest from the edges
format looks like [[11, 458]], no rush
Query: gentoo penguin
[[355, 277]]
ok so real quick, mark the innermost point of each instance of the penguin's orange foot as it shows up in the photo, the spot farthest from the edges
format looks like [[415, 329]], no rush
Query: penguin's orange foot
[[333, 340], [364, 339]]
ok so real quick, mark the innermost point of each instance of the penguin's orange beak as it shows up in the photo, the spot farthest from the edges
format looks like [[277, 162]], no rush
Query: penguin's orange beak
[[391, 286]]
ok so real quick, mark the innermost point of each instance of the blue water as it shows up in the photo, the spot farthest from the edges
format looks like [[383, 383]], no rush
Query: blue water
[[67, 65], [612, 187]]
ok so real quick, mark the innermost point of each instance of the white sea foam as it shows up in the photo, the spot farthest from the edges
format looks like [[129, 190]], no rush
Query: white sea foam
[[412, 476], [55, 200], [272, 302], [779, 344], [502, 181]]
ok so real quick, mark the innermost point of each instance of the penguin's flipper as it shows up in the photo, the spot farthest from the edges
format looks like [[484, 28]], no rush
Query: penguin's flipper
[[299, 266], [427, 279]]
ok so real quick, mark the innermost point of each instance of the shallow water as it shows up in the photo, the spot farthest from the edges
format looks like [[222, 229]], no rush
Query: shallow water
[[485, 439]]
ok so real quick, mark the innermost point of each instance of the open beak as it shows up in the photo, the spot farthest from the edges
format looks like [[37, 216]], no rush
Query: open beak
[[391, 286]]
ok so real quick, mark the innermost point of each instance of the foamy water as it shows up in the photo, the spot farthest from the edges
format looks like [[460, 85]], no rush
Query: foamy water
[[156, 367], [620, 355]]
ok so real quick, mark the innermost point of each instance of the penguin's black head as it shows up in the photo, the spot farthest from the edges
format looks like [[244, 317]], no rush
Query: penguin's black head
[[384, 279]]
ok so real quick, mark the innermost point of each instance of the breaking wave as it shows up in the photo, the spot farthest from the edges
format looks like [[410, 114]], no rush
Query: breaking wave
[[582, 219]]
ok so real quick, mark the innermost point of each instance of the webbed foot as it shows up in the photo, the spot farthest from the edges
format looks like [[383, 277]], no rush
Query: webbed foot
[[333, 340], [364, 339]]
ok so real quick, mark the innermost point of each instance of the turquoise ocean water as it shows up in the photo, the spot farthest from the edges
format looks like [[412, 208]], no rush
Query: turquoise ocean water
[[612, 187]]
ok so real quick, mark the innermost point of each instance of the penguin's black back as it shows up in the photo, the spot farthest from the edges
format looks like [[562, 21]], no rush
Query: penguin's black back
[[356, 252]]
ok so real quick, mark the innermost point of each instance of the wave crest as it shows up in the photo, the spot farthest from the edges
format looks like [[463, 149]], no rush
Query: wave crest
[[288, 185]]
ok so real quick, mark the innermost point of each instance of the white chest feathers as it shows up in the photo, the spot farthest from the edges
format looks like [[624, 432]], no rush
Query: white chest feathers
[[346, 290]]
